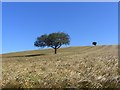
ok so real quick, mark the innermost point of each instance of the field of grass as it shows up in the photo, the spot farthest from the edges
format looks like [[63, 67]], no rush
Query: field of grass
[[72, 67]]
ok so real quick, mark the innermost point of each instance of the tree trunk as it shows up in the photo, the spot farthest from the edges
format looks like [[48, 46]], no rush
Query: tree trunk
[[55, 50]]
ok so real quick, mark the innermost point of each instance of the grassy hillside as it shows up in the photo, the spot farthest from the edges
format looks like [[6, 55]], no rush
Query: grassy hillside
[[75, 67]]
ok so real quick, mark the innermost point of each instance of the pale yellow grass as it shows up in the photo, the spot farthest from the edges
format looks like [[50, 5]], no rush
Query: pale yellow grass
[[74, 67]]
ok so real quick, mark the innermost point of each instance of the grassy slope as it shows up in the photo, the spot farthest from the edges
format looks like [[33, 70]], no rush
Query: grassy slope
[[85, 66]]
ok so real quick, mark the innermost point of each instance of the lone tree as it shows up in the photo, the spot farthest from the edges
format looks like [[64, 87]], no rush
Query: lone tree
[[94, 43], [54, 40]]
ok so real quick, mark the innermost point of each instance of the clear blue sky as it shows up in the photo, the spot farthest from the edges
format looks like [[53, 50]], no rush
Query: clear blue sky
[[84, 22]]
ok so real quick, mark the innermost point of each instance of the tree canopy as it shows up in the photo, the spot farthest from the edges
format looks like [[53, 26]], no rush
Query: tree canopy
[[94, 43], [54, 40]]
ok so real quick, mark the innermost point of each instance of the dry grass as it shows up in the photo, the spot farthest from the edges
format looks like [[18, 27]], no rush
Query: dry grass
[[73, 67]]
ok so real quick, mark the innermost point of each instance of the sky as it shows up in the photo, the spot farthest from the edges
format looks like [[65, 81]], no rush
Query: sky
[[85, 22]]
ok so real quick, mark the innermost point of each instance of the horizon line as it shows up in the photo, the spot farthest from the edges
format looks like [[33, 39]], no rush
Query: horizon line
[[61, 47]]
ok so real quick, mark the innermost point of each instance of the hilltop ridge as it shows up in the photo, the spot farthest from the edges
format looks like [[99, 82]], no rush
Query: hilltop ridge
[[50, 51]]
